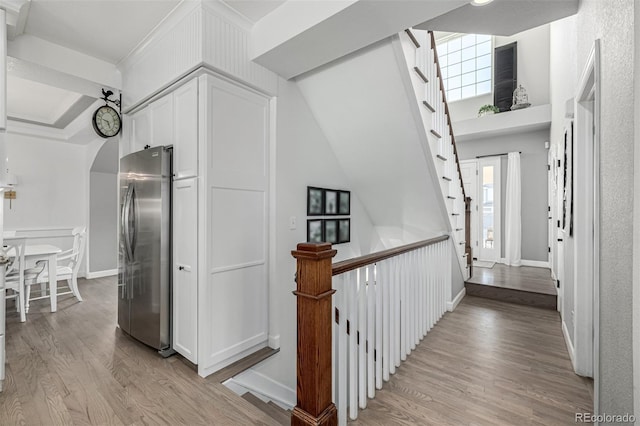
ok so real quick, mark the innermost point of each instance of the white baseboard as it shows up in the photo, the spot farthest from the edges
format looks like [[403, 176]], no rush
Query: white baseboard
[[451, 306], [567, 341], [101, 274], [535, 263], [523, 262], [274, 341], [261, 384]]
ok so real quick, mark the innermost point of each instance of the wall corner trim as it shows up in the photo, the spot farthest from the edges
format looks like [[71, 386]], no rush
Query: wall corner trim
[[451, 306]]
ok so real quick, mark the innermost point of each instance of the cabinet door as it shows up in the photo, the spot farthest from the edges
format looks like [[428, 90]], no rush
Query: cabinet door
[[141, 129], [185, 146], [185, 268], [162, 121]]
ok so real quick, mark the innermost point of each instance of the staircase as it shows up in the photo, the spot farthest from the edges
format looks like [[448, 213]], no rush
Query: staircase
[[384, 113], [426, 85]]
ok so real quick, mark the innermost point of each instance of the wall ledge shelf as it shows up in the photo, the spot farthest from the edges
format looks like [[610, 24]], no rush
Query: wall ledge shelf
[[510, 122]]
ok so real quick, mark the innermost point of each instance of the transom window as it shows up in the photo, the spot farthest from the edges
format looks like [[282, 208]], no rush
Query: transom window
[[465, 61]]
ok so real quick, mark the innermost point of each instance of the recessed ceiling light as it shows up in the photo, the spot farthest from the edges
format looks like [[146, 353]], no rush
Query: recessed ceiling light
[[480, 2]]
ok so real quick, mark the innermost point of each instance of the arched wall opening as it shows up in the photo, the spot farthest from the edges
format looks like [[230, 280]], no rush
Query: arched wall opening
[[103, 210]]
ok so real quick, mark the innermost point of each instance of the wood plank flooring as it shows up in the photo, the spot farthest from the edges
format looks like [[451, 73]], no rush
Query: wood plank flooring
[[526, 278], [75, 367], [486, 363]]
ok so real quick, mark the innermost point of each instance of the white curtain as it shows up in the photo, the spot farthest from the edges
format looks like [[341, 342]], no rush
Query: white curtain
[[513, 216]]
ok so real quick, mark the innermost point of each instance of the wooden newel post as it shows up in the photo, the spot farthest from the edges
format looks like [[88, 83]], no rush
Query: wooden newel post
[[313, 291]]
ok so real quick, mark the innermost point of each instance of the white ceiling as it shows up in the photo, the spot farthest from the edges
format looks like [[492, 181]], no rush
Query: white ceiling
[[32, 101], [105, 29], [254, 10]]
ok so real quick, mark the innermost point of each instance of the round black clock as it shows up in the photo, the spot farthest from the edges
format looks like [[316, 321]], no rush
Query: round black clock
[[106, 121]]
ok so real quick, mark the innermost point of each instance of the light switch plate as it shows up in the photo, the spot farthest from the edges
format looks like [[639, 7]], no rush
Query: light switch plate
[[292, 223]]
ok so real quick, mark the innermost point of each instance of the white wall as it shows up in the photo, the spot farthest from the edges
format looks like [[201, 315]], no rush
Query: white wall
[[612, 22], [304, 158], [563, 65], [533, 72], [52, 185], [533, 163]]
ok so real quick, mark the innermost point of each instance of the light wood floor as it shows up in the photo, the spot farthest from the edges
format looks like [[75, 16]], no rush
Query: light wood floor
[[526, 278], [486, 363], [75, 367]]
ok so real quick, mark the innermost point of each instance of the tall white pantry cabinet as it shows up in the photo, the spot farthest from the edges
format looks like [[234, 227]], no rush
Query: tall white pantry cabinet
[[220, 136]]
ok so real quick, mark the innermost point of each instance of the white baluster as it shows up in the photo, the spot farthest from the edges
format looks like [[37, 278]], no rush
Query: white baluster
[[379, 326], [398, 311], [362, 338], [342, 381], [352, 315], [403, 308], [385, 272], [371, 332]]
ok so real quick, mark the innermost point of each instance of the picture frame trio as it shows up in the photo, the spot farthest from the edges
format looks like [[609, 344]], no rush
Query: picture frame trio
[[328, 202]]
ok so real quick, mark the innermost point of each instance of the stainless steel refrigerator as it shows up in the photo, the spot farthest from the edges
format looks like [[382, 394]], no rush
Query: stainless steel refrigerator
[[144, 269]]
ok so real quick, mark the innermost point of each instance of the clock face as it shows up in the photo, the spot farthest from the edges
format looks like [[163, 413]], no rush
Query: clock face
[[106, 121]]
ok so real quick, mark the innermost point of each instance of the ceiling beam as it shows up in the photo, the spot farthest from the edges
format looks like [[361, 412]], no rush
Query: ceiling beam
[[302, 35]]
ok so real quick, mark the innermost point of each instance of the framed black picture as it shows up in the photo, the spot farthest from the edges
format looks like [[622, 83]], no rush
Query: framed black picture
[[315, 231], [344, 230], [344, 202], [330, 202], [331, 231], [315, 201]]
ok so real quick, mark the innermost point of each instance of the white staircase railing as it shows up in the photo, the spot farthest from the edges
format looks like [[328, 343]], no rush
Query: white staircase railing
[[422, 61], [384, 305]]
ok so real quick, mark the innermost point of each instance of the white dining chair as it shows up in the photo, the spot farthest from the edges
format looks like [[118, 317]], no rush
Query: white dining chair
[[15, 275], [67, 269]]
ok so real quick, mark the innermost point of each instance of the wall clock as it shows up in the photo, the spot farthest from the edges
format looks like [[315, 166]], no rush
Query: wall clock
[[106, 120]]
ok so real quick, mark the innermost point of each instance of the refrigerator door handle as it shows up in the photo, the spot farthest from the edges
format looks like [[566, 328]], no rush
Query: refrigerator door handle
[[133, 204], [125, 221]]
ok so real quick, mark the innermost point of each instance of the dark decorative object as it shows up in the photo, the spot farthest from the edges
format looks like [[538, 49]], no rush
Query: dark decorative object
[[344, 230], [330, 202], [106, 120], [520, 99], [315, 231], [331, 231], [315, 201], [505, 72], [344, 203]]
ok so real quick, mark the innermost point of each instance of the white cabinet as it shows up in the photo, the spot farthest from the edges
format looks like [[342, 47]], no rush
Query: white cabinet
[[185, 144], [141, 129], [185, 268], [162, 126]]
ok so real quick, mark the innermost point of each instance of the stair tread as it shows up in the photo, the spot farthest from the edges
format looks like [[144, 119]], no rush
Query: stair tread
[[421, 74], [451, 197], [243, 364], [269, 408], [428, 105], [441, 157], [436, 134], [413, 38], [446, 178]]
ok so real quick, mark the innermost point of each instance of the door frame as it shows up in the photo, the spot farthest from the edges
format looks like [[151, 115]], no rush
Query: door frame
[[497, 205], [497, 199], [587, 225]]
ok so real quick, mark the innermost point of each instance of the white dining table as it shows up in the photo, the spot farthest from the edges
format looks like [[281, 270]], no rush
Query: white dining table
[[48, 252]]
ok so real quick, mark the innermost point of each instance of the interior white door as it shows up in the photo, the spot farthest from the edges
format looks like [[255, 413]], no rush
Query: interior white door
[[489, 208], [185, 268], [469, 169]]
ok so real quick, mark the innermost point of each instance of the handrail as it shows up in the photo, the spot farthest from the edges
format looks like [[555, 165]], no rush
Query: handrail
[[368, 259], [446, 110]]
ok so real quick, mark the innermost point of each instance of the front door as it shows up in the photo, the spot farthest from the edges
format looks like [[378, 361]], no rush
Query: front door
[[489, 209]]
